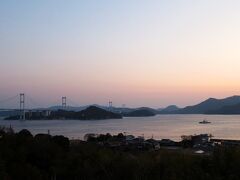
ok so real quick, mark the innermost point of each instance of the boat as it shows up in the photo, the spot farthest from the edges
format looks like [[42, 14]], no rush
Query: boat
[[204, 122]]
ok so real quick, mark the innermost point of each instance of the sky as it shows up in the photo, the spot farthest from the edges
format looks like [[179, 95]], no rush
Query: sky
[[133, 52]]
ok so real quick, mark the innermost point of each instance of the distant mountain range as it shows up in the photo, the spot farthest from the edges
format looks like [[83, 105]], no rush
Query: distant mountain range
[[212, 106], [234, 109], [169, 110], [229, 105]]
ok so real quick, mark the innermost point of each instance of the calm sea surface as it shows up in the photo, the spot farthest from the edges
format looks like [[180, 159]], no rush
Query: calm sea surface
[[161, 126]]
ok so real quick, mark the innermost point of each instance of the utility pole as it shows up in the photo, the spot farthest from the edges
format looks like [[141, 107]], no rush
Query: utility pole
[[22, 106], [64, 102]]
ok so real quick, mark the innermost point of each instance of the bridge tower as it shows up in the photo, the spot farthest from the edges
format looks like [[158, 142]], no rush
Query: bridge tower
[[110, 105], [22, 106], [64, 102]]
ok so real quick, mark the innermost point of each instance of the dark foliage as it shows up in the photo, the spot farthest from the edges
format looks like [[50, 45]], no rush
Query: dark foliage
[[42, 157]]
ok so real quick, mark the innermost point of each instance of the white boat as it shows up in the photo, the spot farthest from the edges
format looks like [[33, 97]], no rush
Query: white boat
[[204, 122]]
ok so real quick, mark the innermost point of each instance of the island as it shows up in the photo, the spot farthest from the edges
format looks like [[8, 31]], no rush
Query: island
[[90, 113], [140, 113]]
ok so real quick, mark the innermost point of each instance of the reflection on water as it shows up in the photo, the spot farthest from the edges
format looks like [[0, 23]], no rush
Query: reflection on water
[[161, 126]]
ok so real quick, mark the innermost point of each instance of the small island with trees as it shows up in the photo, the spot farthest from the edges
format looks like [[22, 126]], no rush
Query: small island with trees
[[90, 113]]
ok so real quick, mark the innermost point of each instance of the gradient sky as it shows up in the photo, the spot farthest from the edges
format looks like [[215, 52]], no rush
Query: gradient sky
[[134, 52]]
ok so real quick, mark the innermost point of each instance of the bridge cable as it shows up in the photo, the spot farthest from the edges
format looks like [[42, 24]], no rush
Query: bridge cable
[[8, 99]]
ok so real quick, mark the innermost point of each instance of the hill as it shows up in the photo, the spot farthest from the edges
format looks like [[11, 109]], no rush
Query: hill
[[91, 113], [234, 109], [140, 113], [94, 112], [210, 104], [169, 110], [154, 111]]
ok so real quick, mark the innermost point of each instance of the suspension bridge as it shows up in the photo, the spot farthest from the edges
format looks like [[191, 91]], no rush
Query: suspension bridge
[[21, 103]]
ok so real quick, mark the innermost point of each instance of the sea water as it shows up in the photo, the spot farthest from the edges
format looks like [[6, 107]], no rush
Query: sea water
[[158, 127]]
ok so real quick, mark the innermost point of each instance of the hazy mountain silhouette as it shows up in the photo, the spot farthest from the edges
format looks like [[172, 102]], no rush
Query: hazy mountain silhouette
[[93, 112], [154, 111], [169, 110], [233, 109], [143, 112], [209, 105], [229, 105]]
